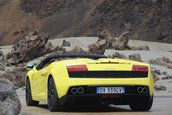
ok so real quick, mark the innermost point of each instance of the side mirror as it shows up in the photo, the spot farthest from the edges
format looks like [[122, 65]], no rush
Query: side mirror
[[30, 66]]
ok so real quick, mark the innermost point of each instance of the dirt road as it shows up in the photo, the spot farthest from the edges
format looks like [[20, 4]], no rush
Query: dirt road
[[161, 106]]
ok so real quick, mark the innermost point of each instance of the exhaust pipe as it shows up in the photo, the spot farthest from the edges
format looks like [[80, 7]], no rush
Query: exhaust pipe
[[80, 90], [74, 90], [145, 90], [139, 89]]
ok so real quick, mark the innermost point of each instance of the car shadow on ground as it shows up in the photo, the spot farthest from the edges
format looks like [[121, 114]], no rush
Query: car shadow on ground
[[90, 108]]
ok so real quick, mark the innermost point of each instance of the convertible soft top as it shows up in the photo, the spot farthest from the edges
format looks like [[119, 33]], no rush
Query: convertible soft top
[[55, 56], [92, 56]]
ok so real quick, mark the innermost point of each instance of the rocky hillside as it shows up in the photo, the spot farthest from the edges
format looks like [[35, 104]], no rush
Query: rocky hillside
[[145, 19]]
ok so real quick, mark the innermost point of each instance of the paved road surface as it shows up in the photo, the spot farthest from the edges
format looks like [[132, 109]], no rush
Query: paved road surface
[[161, 106]]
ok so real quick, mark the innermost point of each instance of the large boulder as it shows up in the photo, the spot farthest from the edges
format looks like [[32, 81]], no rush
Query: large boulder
[[98, 48], [65, 43], [9, 101], [119, 55], [105, 35], [121, 43], [35, 44], [101, 45], [135, 57]]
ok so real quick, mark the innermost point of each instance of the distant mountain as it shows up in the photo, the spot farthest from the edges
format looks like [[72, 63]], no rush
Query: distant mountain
[[149, 20]]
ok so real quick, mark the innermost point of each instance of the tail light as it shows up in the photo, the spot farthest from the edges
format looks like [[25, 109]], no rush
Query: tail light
[[139, 68], [77, 68]]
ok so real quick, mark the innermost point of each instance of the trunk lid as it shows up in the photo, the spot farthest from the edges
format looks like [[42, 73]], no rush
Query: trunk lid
[[109, 65]]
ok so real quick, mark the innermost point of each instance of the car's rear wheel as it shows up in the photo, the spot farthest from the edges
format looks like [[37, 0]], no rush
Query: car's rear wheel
[[53, 100], [29, 100], [143, 106]]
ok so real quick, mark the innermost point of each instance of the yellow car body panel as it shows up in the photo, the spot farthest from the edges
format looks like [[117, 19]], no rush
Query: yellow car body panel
[[57, 70]]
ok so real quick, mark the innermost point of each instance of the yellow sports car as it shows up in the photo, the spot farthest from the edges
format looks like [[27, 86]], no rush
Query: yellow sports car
[[66, 79]]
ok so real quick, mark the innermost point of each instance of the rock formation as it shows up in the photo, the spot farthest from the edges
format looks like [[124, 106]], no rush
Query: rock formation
[[121, 43], [65, 43], [102, 44], [35, 44], [97, 48], [119, 55], [164, 61], [135, 57]]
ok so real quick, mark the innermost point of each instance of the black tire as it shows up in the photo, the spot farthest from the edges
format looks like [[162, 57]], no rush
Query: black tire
[[143, 106], [53, 100], [29, 100]]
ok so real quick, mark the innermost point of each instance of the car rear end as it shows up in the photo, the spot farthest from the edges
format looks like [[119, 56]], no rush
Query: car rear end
[[111, 81]]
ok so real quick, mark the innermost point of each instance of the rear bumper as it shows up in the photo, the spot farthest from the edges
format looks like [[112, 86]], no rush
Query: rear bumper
[[124, 99], [90, 96]]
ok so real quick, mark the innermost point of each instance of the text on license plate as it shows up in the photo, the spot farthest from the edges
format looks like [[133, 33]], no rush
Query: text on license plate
[[110, 90]]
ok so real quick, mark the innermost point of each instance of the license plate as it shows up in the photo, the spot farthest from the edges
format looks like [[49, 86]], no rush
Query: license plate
[[110, 90]]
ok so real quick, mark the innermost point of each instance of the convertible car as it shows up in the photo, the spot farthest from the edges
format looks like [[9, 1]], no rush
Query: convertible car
[[67, 79]]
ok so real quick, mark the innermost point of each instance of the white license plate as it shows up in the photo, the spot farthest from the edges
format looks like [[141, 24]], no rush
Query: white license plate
[[110, 90]]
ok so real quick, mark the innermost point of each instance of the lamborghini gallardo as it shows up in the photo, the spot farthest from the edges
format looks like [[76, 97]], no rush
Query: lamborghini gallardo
[[68, 79]]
